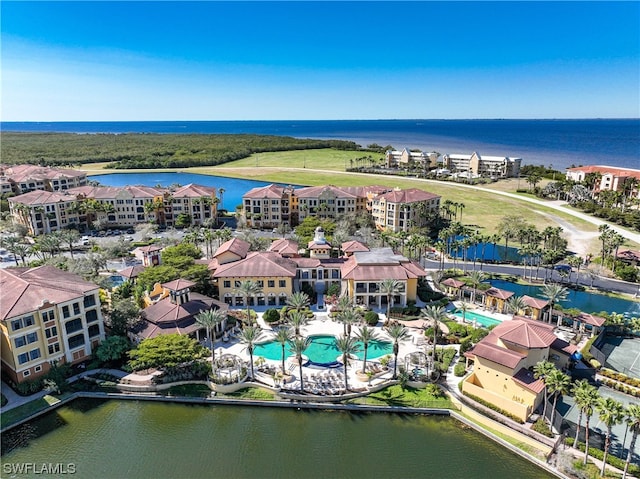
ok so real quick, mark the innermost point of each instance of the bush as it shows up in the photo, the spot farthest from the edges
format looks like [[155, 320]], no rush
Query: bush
[[493, 407], [271, 316], [459, 370], [598, 454], [595, 363], [540, 426], [371, 318]]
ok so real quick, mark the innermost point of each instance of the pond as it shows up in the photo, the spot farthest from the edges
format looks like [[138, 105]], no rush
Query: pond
[[135, 439], [588, 302], [234, 188]]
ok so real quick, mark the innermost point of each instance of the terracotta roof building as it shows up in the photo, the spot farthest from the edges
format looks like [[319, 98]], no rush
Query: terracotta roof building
[[608, 178], [268, 206], [285, 247], [399, 210], [24, 178], [46, 316]]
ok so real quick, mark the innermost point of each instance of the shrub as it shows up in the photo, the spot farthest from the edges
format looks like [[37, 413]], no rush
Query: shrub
[[271, 315], [371, 318], [459, 370], [540, 426], [598, 454], [595, 363], [493, 407]]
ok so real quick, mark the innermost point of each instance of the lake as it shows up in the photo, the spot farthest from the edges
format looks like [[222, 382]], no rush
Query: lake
[[132, 439]]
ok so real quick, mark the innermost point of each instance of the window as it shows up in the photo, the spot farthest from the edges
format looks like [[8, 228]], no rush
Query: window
[[282, 283], [76, 341], [271, 283], [54, 348], [26, 373], [37, 369], [236, 284], [34, 354], [28, 321], [16, 325], [23, 358], [48, 316], [73, 326], [32, 337], [65, 311], [94, 330], [51, 332], [20, 341], [227, 283], [260, 283], [89, 301], [92, 316], [76, 308]]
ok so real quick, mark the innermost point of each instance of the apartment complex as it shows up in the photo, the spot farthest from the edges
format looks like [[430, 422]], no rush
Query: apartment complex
[[19, 179], [268, 206], [406, 157], [486, 166], [608, 178], [42, 211], [399, 210], [46, 316]]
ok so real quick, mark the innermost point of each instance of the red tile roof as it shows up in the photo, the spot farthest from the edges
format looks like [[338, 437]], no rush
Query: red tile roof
[[526, 378], [607, 169], [149, 249], [563, 346], [535, 302], [496, 354], [178, 284], [629, 255], [194, 191], [454, 283], [270, 191], [352, 246], [40, 197], [317, 191], [258, 264], [499, 293], [411, 195], [525, 332], [590, 319], [131, 272], [234, 245], [284, 246]]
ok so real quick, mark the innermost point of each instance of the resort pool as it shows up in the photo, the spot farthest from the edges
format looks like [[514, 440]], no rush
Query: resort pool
[[588, 302], [471, 316], [322, 350]]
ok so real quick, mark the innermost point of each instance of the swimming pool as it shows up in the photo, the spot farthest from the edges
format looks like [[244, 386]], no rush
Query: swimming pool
[[471, 316], [322, 350]]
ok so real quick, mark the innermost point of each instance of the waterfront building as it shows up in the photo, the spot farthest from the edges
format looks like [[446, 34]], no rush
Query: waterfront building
[[20, 179], [486, 166], [399, 210], [43, 211], [608, 178], [504, 361], [47, 316], [362, 273], [407, 158], [268, 206], [172, 309], [198, 204], [328, 202]]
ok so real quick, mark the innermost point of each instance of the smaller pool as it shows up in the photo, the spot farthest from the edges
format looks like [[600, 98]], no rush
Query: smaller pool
[[471, 316], [116, 280], [322, 350]]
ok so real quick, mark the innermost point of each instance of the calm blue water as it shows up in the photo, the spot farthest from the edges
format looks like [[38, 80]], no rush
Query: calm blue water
[[488, 252], [233, 188], [471, 316], [322, 349], [587, 302], [557, 142]]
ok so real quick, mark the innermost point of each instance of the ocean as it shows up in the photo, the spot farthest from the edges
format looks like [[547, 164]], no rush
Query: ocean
[[557, 143]]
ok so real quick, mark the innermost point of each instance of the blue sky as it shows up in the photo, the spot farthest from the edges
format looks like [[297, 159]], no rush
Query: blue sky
[[92, 61]]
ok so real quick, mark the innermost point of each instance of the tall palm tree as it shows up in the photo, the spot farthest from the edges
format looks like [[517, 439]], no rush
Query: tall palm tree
[[611, 412], [297, 319], [475, 278], [298, 301], [557, 383], [464, 307], [250, 336], [298, 347], [515, 304], [209, 320], [389, 287], [554, 293], [69, 237], [283, 336], [586, 397], [248, 289], [348, 318], [398, 333], [347, 346], [543, 370], [633, 423], [366, 335], [434, 314]]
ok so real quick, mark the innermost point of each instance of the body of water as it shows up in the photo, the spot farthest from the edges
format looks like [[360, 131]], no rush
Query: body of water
[[234, 188], [588, 302], [322, 350], [131, 439], [560, 143], [472, 316]]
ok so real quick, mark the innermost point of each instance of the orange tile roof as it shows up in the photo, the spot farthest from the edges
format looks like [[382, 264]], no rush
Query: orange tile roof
[[41, 197], [352, 246], [499, 293], [178, 284], [525, 332], [411, 195], [284, 246], [607, 169], [258, 264], [535, 302], [234, 245], [496, 354], [316, 191], [193, 191], [270, 191]]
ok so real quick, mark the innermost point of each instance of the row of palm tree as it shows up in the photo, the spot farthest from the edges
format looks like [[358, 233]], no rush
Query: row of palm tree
[[588, 401]]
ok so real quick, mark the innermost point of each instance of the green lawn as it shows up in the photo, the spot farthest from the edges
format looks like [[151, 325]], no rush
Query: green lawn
[[251, 393], [409, 397], [21, 412]]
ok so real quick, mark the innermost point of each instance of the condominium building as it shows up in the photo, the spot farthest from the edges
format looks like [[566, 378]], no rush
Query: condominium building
[[44, 211], [269, 206], [47, 316], [486, 166], [21, 179], [406, 157], [329, 202], [608, 178], [399, 210]]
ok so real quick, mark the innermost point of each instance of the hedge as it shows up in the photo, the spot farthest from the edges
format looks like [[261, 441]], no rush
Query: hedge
[[599, 454], [493, 407]]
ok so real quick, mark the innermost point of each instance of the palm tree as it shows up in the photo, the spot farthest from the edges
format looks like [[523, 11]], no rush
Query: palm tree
[[347, 346], [250, 336], [248, 289], [298, 347], [476, 277], [389, 287], [586, 397], [210, 319], [366, 335], [283, 336], [398, 333], [611, 412], [464, 307], [633, 423], [543, 370], [348, 317], [435, 314], [557, 383], [554, 293], [297, 319], [515, 304], [69, 237], [298, 301]]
